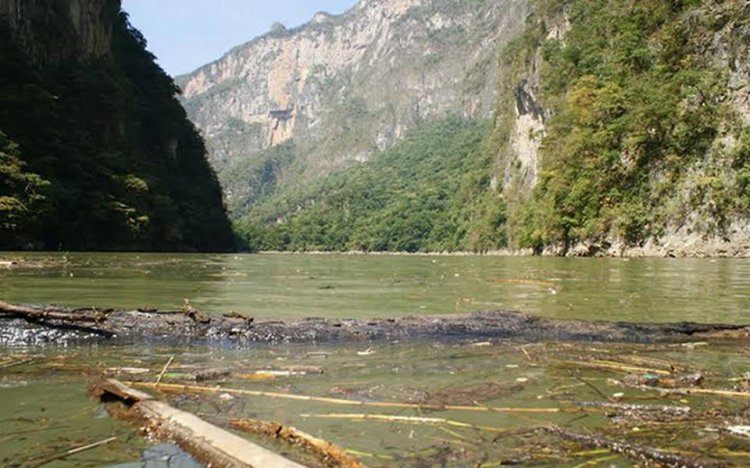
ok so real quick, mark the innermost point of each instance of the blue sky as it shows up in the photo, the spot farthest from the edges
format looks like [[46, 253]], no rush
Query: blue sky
[[185, 34]]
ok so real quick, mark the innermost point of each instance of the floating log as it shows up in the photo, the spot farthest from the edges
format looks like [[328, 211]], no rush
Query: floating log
[[331, 455], [180, 327], [206, 442]]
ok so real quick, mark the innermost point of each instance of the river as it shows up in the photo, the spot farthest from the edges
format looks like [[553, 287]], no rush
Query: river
[[44, 407]]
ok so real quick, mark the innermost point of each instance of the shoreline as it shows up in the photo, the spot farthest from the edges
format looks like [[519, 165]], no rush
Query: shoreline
[[631, 253], [668, 248]]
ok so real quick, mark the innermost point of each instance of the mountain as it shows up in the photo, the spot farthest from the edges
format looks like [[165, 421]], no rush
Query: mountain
[[429, 192], [96, 152], [297, 105], [618, 128], [624, 128]]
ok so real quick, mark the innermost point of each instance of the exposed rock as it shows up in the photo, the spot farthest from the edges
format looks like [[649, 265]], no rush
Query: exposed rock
[[343, 87]]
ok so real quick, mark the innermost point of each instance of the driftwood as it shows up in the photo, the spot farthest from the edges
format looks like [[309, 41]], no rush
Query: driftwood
[[26, 324], [332, 455], [206, 442]]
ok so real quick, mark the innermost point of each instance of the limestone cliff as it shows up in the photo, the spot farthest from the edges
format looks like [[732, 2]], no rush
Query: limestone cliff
[[343, 87]]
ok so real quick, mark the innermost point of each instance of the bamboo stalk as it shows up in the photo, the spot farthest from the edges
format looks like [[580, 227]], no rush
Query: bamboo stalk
[[405, 420], [164, 370], [73, 452], [526, 282], [616, 366], [179, 388]]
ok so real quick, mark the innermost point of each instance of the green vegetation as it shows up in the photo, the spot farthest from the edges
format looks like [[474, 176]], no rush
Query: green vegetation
[[102, 155], [254, 179], [429, 192], [21, 195], [638, 104]]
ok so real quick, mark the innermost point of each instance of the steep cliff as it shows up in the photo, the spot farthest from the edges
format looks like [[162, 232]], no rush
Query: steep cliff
[[51, 31], [625, 128], [95, 150], [341, 88]]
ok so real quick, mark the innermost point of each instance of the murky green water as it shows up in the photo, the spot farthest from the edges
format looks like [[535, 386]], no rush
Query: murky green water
[[44, 408], [293, 286]]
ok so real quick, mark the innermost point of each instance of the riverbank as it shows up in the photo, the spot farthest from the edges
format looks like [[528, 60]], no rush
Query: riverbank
[[673, 246]]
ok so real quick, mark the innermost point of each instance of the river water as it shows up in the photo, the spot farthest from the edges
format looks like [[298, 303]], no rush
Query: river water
[[355, 286], [44, 408]]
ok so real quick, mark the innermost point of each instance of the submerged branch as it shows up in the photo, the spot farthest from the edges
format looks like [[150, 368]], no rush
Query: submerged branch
[[630, 450]]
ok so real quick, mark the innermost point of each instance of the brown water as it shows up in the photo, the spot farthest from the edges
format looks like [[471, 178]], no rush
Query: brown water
[[44, 409]]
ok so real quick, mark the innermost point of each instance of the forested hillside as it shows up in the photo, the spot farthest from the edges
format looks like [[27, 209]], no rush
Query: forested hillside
[[621, 127], [96, 152], [429, 192], [642, 115]]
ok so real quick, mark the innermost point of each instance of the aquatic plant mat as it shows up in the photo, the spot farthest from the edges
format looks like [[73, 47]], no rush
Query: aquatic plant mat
[[462, 403]]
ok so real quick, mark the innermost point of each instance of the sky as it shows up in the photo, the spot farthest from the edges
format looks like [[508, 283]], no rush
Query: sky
[[186, 34]]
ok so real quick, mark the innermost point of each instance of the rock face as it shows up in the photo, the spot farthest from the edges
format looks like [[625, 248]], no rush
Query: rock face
[[343, 87], [55, 30]]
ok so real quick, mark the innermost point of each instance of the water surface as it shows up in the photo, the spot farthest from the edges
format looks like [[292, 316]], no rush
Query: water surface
[[354, 286], [45, 410]]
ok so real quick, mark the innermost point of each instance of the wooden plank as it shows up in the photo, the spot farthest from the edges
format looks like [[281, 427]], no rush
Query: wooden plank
[[207, 443]]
